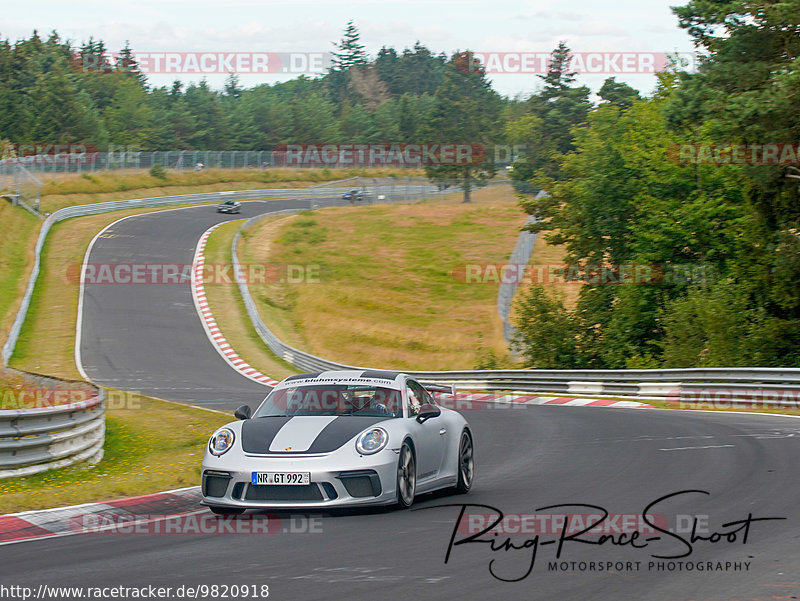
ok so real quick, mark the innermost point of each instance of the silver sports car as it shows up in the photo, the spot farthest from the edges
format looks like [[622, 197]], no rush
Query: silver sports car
[[338, 438]]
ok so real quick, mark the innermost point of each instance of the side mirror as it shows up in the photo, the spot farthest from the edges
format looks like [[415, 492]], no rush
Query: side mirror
[[427, 412], [243, 412]]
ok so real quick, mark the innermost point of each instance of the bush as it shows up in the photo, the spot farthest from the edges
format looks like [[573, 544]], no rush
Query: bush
[[547, 333], [158, 171]]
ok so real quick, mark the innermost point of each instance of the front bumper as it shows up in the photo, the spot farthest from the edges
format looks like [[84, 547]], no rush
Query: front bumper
[[365, 481]]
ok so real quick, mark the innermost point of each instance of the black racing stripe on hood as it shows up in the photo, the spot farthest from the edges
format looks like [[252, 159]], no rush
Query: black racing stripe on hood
[[340, 430], [259, 432]]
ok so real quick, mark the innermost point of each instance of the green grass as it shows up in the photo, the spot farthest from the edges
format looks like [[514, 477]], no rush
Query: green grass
[[18, 230], [387, 295]]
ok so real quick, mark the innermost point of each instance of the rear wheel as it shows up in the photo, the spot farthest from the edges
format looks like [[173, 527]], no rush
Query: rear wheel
[[406, 477], [226, 510], [466, 463]]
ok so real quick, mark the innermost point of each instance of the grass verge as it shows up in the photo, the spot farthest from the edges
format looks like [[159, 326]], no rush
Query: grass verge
[[17, 241], [380, 285], [230, 313], [151, 446]]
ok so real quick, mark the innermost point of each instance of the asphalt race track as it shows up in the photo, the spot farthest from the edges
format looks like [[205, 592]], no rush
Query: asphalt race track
[[149, 339]]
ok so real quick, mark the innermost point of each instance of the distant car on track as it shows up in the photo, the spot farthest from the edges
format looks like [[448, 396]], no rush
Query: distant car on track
[[355, 195], [338, 438], [229, 206]]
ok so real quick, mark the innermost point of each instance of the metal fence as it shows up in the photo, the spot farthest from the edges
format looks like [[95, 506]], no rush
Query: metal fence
[[21, 187], [182, 160], [44, 438]]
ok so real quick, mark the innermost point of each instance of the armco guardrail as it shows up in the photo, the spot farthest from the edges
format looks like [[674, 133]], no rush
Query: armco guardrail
[[44, 438], [674, 384], [505, 294]]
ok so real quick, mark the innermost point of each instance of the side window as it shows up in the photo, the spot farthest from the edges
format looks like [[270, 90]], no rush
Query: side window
[[417, 396], [414, 400]]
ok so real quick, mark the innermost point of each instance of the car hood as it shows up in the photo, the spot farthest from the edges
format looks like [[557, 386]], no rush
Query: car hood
[[302, 434]]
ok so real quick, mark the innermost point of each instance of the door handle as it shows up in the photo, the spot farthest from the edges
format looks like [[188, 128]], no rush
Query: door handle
[[443, 431]]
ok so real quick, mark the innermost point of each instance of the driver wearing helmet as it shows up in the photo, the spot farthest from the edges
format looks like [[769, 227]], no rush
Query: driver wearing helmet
[[376, 403]]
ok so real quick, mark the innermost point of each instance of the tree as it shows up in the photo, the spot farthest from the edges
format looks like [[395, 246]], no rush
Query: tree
[[368, 87], [558, 78], [233, 89], [62, 113], [350, 50], [313, 121], [559, 108], [547, 334], [127, 64], [419, 71], [525, 133], [129, 118], [466, 111], [209, 121], [387, 65], [618, 93]]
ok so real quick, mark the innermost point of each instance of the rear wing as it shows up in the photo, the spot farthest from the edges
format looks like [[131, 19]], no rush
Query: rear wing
[[441, 388]]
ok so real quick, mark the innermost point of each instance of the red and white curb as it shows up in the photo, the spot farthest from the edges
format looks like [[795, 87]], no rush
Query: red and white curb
[[521, 398], [66, 521], [209, 323]]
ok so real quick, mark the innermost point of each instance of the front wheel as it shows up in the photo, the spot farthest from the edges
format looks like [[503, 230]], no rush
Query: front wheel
[[406, 477], [466, 463]]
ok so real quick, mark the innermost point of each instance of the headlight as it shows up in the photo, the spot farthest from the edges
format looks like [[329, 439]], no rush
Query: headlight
[[221, 442], [372, 441]]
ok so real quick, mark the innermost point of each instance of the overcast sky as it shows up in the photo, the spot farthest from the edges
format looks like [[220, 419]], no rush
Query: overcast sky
[[522, 28]]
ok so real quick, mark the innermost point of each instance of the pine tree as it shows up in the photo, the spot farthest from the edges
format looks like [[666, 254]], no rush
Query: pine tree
[[127, 63], [350, 50], [558, 78], [232, 87], [466, 111]]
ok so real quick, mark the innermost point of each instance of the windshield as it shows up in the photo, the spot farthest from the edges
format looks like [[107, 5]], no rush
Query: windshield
[[333, 399]]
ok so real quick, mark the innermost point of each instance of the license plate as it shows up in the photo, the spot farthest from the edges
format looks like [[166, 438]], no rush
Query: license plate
[[291, 478]]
